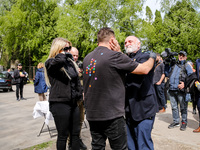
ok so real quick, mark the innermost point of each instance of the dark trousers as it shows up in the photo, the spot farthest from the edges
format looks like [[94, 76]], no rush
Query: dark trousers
[[197, 99], [67, 121], [114, 130], [160, 95], [139, 133], [19, 88], [194, 102]]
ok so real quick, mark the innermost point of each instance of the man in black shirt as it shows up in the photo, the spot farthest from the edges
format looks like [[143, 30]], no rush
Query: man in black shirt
[[159, 84], [103, 82]]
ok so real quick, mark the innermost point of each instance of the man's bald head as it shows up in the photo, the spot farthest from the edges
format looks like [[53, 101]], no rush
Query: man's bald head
[[75, 53]]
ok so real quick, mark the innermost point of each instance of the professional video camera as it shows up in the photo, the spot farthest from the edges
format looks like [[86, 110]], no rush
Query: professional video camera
[[169, 56]]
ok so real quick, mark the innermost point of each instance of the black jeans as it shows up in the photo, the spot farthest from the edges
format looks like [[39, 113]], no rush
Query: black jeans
[[19, 87], [160, 95], [114, 130], [67, 119]]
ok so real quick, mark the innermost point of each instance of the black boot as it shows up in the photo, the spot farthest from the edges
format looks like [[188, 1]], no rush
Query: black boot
[[194, 111], [82, 145]]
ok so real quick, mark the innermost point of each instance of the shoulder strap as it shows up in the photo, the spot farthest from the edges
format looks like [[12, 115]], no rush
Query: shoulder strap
[[172, 69], [156, 66], [183, 73]]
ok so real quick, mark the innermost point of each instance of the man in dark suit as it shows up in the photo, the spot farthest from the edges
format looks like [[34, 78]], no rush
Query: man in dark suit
[[141, 103]]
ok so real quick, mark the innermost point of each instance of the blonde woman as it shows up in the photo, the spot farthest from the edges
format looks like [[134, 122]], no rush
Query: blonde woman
[[65, 90], [39, 83]]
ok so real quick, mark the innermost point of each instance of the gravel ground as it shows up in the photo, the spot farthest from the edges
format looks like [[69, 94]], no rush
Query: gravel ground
[[19, 130]]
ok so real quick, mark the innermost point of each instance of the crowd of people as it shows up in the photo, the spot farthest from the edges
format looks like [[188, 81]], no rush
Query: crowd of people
[[119, 93]]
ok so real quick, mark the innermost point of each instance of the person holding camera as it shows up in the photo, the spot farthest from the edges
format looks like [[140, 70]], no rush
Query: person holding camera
[[61, 75], [141, 100], [19, 76], [104, 90], [177, 76], [75, 53]]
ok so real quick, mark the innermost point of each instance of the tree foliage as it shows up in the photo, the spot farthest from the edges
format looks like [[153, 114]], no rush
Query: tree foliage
[[81, 20], [149, 15], [27, 27], [179, 30]]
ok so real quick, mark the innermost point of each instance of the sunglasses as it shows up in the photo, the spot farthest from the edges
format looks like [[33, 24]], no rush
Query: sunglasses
[[66, 48]]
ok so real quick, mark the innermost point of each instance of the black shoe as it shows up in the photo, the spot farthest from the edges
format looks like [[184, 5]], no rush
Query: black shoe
[[82, 145], [194, 111], [183, 126], [69, 148], [173, 125], [18, 99]]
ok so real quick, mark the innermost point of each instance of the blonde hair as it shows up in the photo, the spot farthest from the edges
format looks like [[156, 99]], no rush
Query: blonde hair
[[40, 65], [57, 45]]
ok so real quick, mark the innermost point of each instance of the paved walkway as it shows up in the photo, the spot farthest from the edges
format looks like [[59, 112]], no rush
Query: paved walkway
[[19, 130]]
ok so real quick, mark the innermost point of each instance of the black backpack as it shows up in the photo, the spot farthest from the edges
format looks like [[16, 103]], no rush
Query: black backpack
[[190, 83]]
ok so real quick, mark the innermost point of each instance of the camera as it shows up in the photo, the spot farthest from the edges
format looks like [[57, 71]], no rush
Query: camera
[[169, 56], [80, 65]]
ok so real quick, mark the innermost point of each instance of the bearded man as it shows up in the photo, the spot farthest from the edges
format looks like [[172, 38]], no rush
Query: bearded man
[[141, 103]]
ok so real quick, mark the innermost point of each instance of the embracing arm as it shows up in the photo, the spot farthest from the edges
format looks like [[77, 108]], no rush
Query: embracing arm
[[144, 68]]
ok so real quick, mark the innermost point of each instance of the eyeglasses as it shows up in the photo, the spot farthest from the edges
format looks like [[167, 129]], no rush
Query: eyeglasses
[[66, 48]]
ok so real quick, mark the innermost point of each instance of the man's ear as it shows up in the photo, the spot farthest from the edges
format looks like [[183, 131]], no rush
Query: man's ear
[[139, 44], [112, 39]]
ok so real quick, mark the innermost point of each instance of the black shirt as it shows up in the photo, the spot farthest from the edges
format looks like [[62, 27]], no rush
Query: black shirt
[[103, 81], [159, 70]]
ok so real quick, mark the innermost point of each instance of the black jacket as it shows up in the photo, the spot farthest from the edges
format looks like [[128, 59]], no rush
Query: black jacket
[[141, 100], [62, 88], [17, 77]]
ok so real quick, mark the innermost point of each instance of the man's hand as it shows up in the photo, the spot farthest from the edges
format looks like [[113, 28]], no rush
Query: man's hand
[[181, 85], [21, 74], [80, 70], [158, 83], [114, 45], [152, 55]]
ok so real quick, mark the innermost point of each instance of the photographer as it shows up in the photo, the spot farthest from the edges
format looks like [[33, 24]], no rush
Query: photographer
[[177, 75], [19, 75]]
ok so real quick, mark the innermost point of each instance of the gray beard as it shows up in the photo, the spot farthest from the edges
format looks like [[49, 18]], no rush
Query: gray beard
[[130, 50]]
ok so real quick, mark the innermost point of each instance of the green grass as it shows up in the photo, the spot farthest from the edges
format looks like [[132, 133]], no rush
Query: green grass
[[41, 146]]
